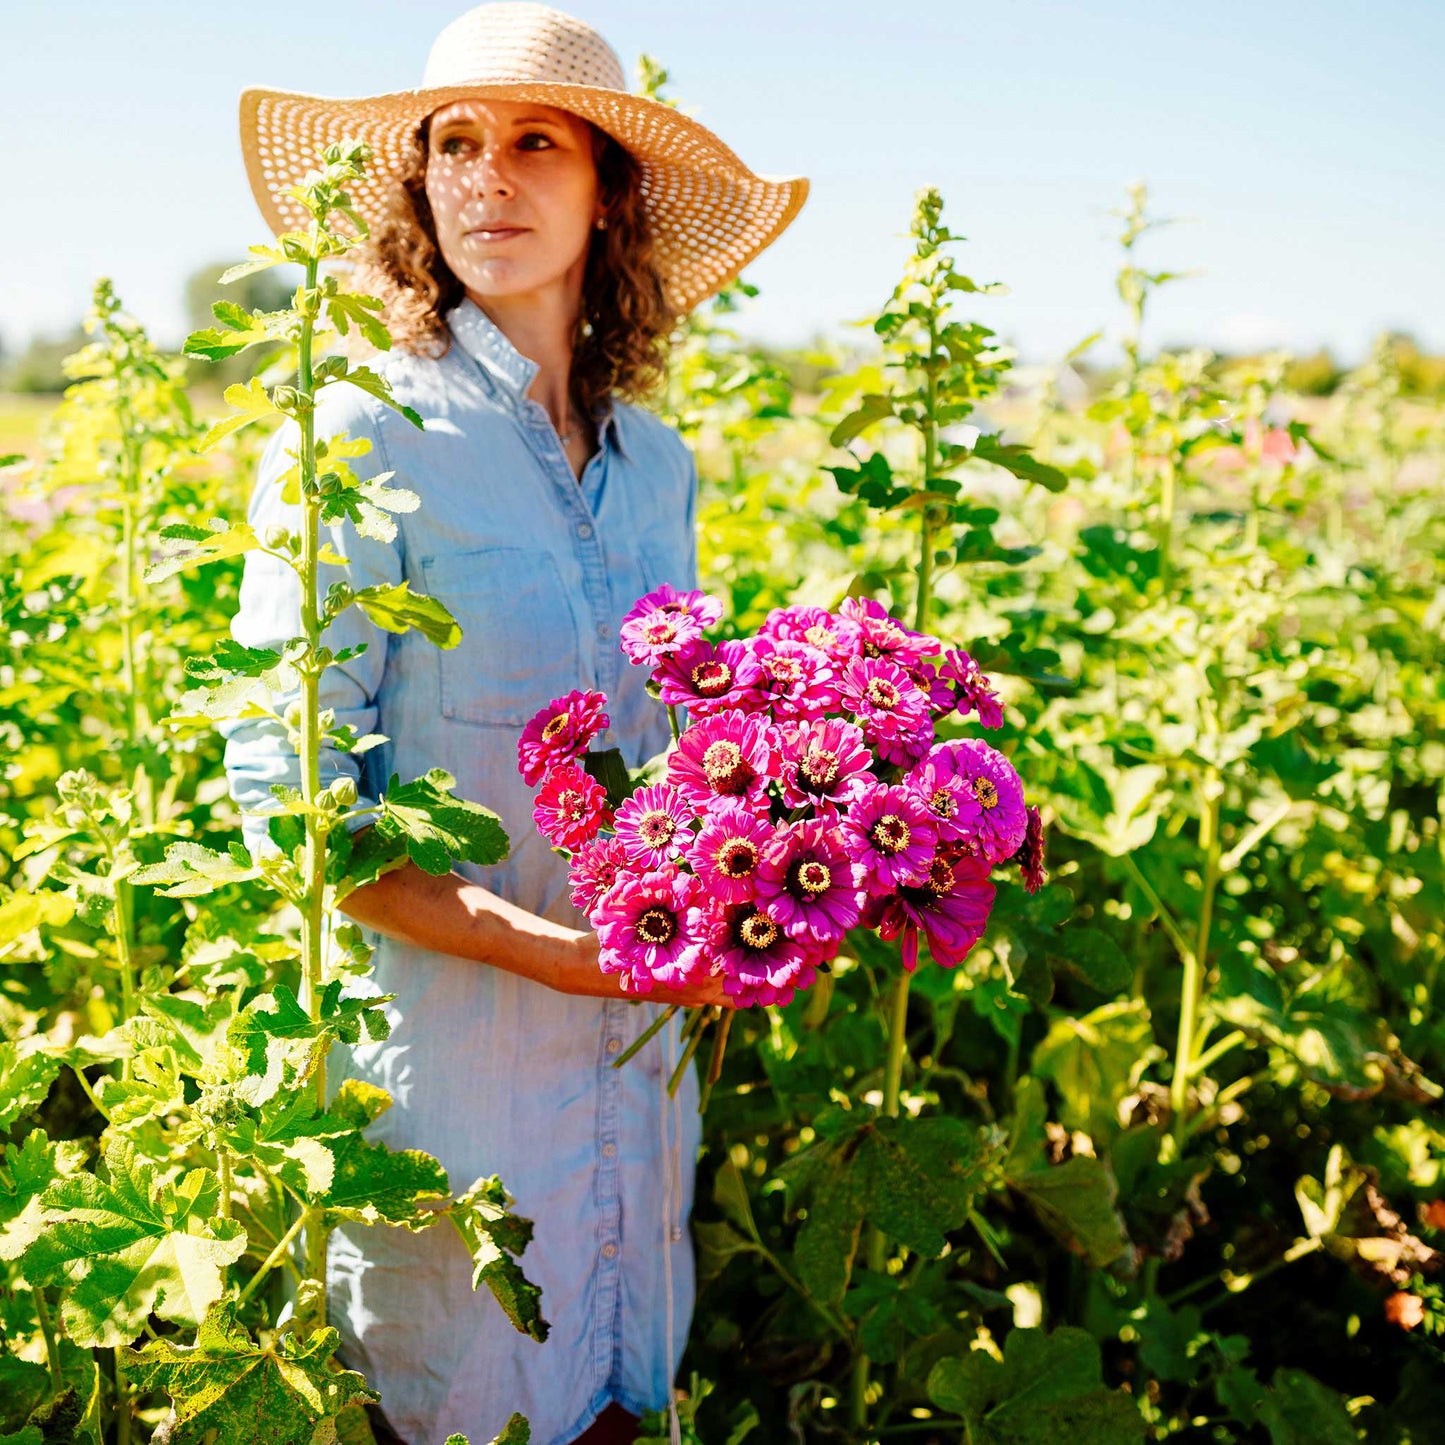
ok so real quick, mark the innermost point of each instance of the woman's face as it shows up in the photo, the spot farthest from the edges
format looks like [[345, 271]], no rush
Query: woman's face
[[513, 190]]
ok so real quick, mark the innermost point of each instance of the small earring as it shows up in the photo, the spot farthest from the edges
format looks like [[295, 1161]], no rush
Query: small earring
[[601, 223]]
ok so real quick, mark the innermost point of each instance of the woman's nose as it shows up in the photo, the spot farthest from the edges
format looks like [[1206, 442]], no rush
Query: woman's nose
[[493, 175]]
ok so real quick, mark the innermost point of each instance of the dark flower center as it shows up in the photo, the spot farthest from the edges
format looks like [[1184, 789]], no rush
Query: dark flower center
[[810, 876], [940, 877], [758, 931], [943, 803], [656, 926], [986, 792], [820, 768], [890, 834], [881, 693], [712, 677], [726, 769], [736, 858], [555, 726], [656, 828], [572, 805]]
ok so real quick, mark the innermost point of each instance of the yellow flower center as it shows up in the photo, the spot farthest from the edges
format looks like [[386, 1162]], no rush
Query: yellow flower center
[[812, 877], [820, 768], [555, 725], [986, 792], [736, 858], [890, 834], [656, 828], [881, 693], [758, 931], [712, 677], [656, 926]]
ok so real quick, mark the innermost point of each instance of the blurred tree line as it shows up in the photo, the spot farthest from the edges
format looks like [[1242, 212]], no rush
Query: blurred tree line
[[36, 368]]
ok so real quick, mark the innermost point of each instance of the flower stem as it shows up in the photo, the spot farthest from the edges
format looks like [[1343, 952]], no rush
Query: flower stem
[[271, 1260], [687, 1054], [47, 1331], [649, 1033], [1194, 965]]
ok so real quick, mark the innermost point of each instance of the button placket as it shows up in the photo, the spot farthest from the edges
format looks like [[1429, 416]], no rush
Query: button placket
[[609, 1194]]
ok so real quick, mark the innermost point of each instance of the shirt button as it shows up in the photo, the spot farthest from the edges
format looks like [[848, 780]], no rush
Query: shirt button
[[613, 1045], [584, 531], [609, 1150], [609, 1251], [603, 630]]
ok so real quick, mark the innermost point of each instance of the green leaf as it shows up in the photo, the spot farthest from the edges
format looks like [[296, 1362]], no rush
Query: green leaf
[[30, 1169], [1048, 1388], [827, 1243], [194, 871], [874, 408], [129, 1245], [436, 826], [253, 403], [1074, 1200], [264, 258], [26, 1075], [226, 1388], [190, 545], [494, 1237], [22, 913], [346, 309], [1296, 1409], [1094, 1061], [515, 1432], [399, 609], [1019, 460], [230, 659], [377, 386]]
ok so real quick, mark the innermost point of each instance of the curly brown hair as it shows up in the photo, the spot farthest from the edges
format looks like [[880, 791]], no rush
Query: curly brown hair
[[625, 324]]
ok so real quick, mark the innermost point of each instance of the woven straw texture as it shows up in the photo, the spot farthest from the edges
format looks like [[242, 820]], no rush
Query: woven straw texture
[[710, 214]]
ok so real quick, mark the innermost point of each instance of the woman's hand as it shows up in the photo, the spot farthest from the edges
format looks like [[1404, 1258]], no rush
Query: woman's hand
[[583, 976]]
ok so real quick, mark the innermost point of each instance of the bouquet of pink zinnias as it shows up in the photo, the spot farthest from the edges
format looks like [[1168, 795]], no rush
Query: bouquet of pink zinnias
[[808, 795]]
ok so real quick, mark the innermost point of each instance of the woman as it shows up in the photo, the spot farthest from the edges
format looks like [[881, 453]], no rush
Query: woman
[[536, 231]]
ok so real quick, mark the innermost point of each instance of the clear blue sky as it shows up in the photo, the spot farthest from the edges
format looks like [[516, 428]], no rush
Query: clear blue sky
[[1299, 141]]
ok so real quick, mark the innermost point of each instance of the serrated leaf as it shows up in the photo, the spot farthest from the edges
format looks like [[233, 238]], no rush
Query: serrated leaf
[[399, 609], [26, 1075], [377, 386], [226, 1388], [193, 871], [129, 1245], [1018, 459], [435, 827], [264, 258], [30, 1169], [873, 408], [253, 403], [494, 1237], [190, 546]]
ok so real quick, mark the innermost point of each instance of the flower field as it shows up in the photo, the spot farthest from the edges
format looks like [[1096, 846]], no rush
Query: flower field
[[1129, 1130]]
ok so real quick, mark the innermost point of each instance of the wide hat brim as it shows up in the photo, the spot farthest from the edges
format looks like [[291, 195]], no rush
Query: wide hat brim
[[710, 215]]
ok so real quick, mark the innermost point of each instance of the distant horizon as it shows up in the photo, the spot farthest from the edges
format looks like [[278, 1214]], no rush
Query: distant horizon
[[1298, 152]]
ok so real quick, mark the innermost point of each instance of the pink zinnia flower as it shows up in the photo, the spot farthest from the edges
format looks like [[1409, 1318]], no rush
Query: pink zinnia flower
[[571, 807], [1031, 855], [971, 688], [824, 762], [951, 906], [793, 679], [807, 882], [732, 755], [760, 963], [947, 794], [652, 825], [562, 731], [595, 868], [883, 698], [999, 828], [650, 637], [883, 636], [839, 638], [707, 676], [907, 746], [726, 853], [892, 836], [651, 930]]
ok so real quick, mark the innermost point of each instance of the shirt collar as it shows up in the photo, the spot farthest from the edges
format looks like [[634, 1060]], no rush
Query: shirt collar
[[485, 342]]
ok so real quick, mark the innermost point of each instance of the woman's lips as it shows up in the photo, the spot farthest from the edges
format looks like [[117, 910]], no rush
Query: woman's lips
[[496, 233]]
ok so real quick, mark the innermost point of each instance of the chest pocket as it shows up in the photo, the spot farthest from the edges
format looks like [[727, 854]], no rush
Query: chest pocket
[[520, 645]]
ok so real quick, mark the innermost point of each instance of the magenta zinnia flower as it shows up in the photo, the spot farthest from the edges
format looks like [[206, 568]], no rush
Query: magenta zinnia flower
[[760, 963], [971, 688], [726, 853], [652, 825], [884, 699], [839, 638], [707, 676], [570, 807], [732, 755], [595, 868], [892, 836], [999, 827], [793, 679], [562, 731], [652, 931], [824, 762], [883, 636], [947, 794], [808, 882], [665, 622], [951, 906]]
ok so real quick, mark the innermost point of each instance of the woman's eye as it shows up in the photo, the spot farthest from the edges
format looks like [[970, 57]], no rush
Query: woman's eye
[[535, 135], [446, 146]]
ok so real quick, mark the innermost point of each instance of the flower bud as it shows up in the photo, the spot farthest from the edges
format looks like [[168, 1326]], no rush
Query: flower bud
[[292, 715], [276, 537], [344, 791]]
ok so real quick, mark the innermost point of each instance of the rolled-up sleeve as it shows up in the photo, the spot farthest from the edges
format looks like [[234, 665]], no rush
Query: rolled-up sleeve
[[257, 753]]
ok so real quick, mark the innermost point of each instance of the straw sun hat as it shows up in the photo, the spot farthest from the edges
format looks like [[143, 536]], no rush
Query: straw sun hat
[[710, 215]]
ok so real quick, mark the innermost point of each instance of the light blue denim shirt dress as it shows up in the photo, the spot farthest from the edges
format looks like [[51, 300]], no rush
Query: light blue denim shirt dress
[[492, 1073]]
